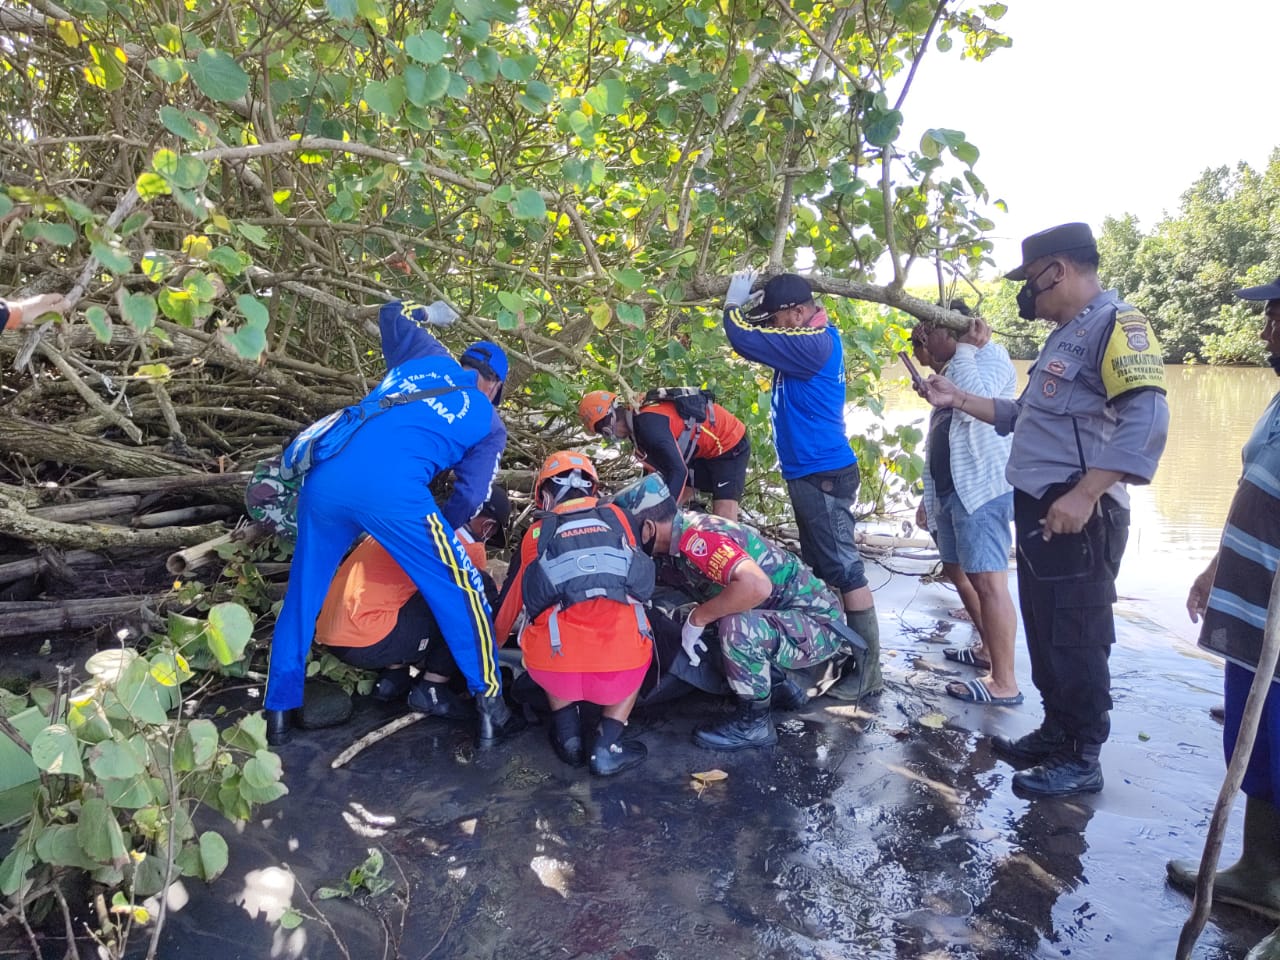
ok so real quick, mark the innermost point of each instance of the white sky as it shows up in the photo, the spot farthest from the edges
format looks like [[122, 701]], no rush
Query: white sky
[[1106, 107]]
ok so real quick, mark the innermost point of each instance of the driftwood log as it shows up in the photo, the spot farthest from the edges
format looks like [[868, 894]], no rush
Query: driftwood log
[[52, 616]]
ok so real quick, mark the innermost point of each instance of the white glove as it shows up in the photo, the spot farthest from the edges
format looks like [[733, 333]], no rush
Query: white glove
[[739, 291], [691, 640], [440, 314]]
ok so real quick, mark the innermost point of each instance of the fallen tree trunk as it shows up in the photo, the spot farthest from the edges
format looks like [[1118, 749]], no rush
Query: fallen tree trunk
[[42, 441], [18, 569], [24, 526], [169, 484], [87, 509], [170, 518], [21, 619]]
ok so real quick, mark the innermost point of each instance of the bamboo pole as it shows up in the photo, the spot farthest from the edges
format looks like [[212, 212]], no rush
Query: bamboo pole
[[192, 558], [1262, 679]]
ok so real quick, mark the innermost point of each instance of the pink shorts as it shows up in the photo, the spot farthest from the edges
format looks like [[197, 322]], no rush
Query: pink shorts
[[605, 688]]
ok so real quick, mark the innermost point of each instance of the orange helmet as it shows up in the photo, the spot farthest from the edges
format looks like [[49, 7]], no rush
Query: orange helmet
[[567, 472], [595, 406]]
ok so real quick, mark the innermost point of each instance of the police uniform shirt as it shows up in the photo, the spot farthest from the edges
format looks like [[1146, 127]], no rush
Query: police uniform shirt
[[1099, 378]]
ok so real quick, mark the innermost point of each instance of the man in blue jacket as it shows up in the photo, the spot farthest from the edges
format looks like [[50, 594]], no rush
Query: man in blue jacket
[[787, 331], [378, 483]]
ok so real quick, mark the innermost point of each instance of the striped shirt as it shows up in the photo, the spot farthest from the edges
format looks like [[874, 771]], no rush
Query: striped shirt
[[1237, 609], [978, 453]]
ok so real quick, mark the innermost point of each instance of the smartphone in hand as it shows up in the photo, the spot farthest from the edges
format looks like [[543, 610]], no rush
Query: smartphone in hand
[[916, 379]]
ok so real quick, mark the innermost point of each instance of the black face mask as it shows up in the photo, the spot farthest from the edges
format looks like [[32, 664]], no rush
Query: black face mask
[[1275, 363], [647, 543], [1026, 298]]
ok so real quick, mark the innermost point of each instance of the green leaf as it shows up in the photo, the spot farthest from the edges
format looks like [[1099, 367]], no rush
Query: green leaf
[[695, 17], [100, 323], [6, 205], [177, 123], [59, 845], [56, 234], [14, 867], [254, 234], [139, 310], [229, 260], [99, 833], [966, 153], [230, 629], [204, 741], [116, 259], [77, 210], [218, 75], [168, 667], [250, 734], [344, 10], [608, 97], [114, 760], [385, 97], [631, 278], [433, 86], [133, 793], [262, 769], [539, 91], [291, 919], [56, 750], [882, 127], [630, 314], [213, 855], [528, 205], [138, 695], [427, 47], [167, 69]]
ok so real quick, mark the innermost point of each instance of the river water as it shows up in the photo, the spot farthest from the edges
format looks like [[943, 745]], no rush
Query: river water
[[1178, 519]]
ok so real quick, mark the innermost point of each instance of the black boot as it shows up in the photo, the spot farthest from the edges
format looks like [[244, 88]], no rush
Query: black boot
[[1074, 768], [393, 683], [610, 754], [496, 721], [751, 726], [566, 735], [437, 700], [277, 727], [1031, 748], [785, 692]]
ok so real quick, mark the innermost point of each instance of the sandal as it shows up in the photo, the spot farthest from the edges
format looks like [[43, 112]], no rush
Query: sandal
[[966, 656], [975, 691]]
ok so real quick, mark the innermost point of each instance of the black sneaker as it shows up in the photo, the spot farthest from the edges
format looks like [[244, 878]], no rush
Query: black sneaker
[[623, 755], [1031, 748], [1061, 775], [437, 700]]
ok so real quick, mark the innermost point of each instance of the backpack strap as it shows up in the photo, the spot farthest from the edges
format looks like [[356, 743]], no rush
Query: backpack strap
[[386, 403]]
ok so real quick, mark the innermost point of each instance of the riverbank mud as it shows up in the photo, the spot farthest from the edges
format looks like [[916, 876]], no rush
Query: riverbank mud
[[888, 830]]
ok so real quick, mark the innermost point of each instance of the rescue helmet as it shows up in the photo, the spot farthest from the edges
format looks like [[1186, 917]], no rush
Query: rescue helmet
[[595, 406], [647, 499], [565, 474]]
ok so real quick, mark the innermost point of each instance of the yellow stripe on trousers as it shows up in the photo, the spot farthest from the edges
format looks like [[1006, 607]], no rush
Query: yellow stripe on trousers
[[484, 631]]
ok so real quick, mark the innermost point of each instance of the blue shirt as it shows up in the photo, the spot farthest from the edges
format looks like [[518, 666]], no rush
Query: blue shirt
[[807, 403]]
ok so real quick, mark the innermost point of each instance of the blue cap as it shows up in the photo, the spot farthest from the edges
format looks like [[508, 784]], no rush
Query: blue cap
[[1267, 291], [1059, 239], [486, 357]]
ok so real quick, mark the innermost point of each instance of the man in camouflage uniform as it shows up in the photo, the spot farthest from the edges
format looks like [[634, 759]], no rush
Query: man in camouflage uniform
[[770, 610]]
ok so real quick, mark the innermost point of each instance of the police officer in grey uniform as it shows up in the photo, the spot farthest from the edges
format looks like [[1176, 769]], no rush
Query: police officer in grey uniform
[[1092, 418]]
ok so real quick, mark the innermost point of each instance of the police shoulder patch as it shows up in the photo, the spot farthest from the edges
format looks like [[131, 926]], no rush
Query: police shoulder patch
[[1132, 358]]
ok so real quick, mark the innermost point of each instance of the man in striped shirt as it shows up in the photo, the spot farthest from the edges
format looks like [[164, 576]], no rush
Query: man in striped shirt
[[1232, 594], [968, 503]]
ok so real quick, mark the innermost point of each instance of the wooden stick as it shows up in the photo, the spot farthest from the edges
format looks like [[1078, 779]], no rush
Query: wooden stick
[[169, 518], [17, 569], [87, 509], [166, 484], [194, 557], [373, 736], [1262, 679]]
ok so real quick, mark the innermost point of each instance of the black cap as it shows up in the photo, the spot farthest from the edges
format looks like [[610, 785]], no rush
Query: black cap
[[498, 506], [783, 291], [1268, 291], [1059, 239]]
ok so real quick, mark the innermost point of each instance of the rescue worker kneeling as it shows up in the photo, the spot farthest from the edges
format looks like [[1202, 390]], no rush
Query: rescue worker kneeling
[[771, 612], [579, 591]]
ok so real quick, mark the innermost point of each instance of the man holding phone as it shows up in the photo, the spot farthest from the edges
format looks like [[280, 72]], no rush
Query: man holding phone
[[1092, 418], [968, 504]]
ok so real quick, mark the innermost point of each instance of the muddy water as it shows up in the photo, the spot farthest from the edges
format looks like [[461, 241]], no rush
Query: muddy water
[[885, 832]]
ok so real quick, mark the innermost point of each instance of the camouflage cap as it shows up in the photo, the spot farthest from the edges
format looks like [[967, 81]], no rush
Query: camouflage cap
[[647, 499]]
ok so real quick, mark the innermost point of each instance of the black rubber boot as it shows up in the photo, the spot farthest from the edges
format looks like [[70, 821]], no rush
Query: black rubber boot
[[751, 726], [785, 692], [393, 684], [565, 732], [496, 721], [1073, 769], [437, 700], [1030, 748], [610, 754], [278, 727]]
